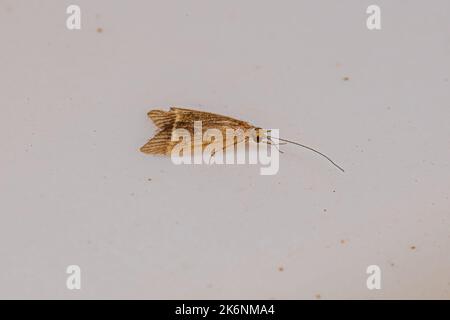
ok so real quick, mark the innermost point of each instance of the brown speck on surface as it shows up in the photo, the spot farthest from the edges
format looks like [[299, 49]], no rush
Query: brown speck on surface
[[149, 179], [346, 78], [413, 247], [318, 296], [99, 30], [281, 269], [392, 264], [343, 241], [324, 210], [334, 191]]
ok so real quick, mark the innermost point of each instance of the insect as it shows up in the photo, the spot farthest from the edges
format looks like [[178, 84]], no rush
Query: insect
[[179, 118]]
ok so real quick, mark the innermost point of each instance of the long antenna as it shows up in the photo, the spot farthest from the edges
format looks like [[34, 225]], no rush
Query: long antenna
[[309, 148]]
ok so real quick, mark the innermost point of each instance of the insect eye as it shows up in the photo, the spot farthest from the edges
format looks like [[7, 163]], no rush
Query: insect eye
[[257, 139]]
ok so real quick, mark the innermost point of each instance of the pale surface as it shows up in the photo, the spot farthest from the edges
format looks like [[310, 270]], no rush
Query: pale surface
[[74, 189]]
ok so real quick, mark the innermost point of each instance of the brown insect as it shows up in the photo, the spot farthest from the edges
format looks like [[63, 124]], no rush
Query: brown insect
[[179, 118]]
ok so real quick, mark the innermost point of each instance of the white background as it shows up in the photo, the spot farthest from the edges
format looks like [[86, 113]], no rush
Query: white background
[[74, 188]]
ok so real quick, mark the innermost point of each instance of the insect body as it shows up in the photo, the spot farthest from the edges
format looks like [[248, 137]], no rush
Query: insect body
[[168, 122]]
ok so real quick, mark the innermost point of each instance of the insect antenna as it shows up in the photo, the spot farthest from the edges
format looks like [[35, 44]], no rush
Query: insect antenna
[[314, 150]]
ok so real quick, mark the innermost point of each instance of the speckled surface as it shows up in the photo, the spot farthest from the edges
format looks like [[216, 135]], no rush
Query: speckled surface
[[75, 190]]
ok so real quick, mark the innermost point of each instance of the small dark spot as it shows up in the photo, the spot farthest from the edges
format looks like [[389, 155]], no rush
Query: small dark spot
[[324, 210], [281, 269], [334, 191], [149, 179], [132, 194], [318, 296], [99, 30], [346, 78], [413, 247], [343, 241], [392, 264]]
